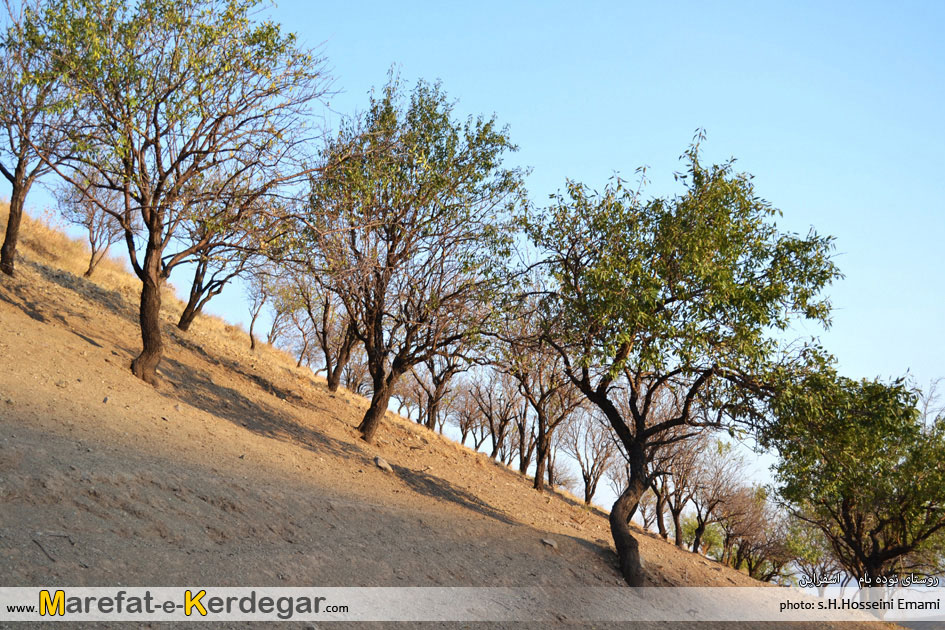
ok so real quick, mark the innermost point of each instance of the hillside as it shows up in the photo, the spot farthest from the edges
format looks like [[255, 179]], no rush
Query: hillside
[[241, 469]]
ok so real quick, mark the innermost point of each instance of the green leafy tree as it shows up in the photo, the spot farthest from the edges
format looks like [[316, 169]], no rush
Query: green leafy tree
[[186, 105], [813, 557], [33, 124], [710, 537], [671, 304], [407, 228], [860, 463]]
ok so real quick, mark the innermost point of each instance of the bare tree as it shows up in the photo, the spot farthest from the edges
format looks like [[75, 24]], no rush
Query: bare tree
[[355, 376], [647, 508], [764, 551], [524, 436], [739, 517], [542, 381], [434, 381], [718, 471], [467, 416], [102, 228], [321, 322], [496, 396], [589, 441], [679, 463], [259, 291]]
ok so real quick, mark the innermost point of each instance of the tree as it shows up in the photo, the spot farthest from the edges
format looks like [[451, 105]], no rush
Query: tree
[[321, 321], [496, 396], [259, 290], [676, 476], [740, 516], [765, 551], [408, 231], [589, 441], [813, 557], [102, 228], [184, 103], [228, 237], [709, 540], [716, 475], [677, 295], [858, 461], [434, 383], [34, 124], [467, 417], [550, 395]]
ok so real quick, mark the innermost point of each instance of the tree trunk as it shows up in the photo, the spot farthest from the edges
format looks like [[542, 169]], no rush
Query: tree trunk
[[302, 354], [252, 324], [8, 251], [432, 410], [661, 516], [149, 315], [333, 373], [697, 538], [628, 549], [541, 462], [383, 388], [194, 305], [372, 419], [677, 529], [188, 316]]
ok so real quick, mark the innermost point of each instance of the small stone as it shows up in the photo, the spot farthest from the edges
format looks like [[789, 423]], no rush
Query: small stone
[[105, 400], [383, 465], [9, 401], [177, 407], [551, 543], [62, 384]]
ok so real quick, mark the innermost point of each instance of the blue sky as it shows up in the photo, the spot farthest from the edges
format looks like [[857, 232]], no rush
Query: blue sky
[[834, 107]]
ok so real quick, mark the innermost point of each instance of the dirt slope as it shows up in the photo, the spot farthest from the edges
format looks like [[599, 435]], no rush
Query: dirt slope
[[243, 470]]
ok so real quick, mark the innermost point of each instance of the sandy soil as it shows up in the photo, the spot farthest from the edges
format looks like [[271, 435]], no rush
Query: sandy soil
[[241, 469]]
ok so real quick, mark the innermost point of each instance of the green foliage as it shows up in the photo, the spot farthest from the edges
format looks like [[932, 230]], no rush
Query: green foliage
[[858, 461], [409, 218], [711, 538], [692, 283]]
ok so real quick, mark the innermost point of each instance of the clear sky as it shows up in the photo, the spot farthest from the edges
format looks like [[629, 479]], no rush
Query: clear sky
[[836, 108]]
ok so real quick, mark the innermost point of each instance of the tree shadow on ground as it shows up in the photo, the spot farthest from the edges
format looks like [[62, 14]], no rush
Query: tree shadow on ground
[[31, 309], [111, 300], [197, 389], [437, 488], [236, 368]]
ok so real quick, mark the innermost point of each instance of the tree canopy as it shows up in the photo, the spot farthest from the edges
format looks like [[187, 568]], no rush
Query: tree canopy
[[662, 310], [407, 224], [859, 462], [186, 106]]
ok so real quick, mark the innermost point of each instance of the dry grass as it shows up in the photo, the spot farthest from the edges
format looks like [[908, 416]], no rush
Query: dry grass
[[44, 239]]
